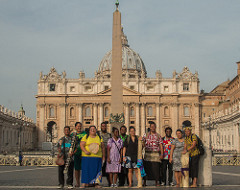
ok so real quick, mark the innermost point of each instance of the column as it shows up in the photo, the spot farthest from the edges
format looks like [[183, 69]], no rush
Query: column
[[95, 115], [127, 118], [62, 119], [41, 132], [158, 118], [137, 119], [236, 137], [196, 118], [175, 118], [143, 119], [101, 113], [80, 112]]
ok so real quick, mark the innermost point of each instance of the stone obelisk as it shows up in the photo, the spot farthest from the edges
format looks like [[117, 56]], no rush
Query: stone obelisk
[[116, 117]]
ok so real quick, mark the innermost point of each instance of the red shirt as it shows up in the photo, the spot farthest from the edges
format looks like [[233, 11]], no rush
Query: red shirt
[[167, 144], [152, 142]]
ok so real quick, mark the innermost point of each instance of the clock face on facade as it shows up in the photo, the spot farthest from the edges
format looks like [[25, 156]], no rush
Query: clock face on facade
[[185, 75]]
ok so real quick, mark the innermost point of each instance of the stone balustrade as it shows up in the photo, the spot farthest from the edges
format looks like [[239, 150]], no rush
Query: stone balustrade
[[13, 114]]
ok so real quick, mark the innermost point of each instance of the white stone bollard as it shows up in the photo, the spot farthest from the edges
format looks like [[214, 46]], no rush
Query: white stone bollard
[[205, 168]]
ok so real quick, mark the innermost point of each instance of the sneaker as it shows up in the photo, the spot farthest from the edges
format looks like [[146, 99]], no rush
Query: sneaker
[[171, 184], [60, 187], [162, 184], [70, 187], [115, 185], [112, 185]]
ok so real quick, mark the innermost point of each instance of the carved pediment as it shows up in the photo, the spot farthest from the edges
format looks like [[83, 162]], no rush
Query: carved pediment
[[53, 75], [187, 75]]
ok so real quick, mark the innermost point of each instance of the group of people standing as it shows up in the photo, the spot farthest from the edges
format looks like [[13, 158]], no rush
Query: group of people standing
[[99, 153]]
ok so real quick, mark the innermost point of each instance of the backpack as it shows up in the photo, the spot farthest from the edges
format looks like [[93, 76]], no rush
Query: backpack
[[200, 145]]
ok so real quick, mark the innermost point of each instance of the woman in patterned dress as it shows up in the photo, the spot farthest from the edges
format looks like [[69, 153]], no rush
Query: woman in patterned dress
[[114, 156], [176, 154]]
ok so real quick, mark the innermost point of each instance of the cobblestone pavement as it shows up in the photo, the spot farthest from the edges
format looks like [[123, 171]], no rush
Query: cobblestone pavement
[[17, 177]]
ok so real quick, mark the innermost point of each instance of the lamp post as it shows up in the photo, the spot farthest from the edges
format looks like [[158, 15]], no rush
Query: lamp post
[[210, 125]]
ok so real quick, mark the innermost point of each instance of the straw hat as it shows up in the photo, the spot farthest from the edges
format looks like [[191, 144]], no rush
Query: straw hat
[[93, 148]]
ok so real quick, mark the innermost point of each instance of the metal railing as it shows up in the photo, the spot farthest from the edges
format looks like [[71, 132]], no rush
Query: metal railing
[[27, 161], [226, 160], [11, 160]]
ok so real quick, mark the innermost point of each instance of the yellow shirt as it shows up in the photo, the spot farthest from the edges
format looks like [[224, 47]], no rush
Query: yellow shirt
[[89, 141], [189, 141]]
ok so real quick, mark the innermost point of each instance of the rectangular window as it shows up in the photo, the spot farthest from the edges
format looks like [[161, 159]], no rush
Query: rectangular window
[[51, 112], [166, 89], [132, 122], [185, 86], [150, 88], [131, 76], [72, 89], [88, 88], [106, 87], [132, 87], [52, 87], [186, 111]]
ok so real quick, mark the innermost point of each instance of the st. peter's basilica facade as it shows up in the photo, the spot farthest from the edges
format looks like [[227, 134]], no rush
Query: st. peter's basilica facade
[[166, 101]]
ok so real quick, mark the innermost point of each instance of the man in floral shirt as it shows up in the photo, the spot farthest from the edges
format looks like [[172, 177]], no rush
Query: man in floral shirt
[[153, 154], [167, 143]]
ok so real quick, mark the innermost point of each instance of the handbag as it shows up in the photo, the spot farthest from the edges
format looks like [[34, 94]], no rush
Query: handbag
[[60, 161]]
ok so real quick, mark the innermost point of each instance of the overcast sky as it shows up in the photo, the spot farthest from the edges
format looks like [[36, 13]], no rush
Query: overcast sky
[[74, 35]]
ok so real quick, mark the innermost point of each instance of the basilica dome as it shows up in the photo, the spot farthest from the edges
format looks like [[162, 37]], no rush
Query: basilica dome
[[131, 60]]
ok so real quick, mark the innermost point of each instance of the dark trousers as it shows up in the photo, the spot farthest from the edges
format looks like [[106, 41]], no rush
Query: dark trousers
[[165, 165], [123, 176], [104, 173], [193, 166], [69, 174]]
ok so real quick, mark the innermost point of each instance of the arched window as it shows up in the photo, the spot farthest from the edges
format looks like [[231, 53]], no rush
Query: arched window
[[88, 111], [166, 111], [51, 112], [72, 112], [130, 63], [106, 112], [186, 111], [150, 111], [132, 112]]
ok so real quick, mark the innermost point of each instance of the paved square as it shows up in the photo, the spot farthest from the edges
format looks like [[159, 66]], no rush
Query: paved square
[[31, 177]]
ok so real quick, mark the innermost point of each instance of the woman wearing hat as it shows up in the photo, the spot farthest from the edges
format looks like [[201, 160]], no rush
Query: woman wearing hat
[[191, 142], [93, 154]]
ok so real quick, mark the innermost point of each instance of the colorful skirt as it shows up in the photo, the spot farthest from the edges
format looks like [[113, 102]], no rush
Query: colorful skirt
[[152, 165], [91, 170], [129, 164]]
